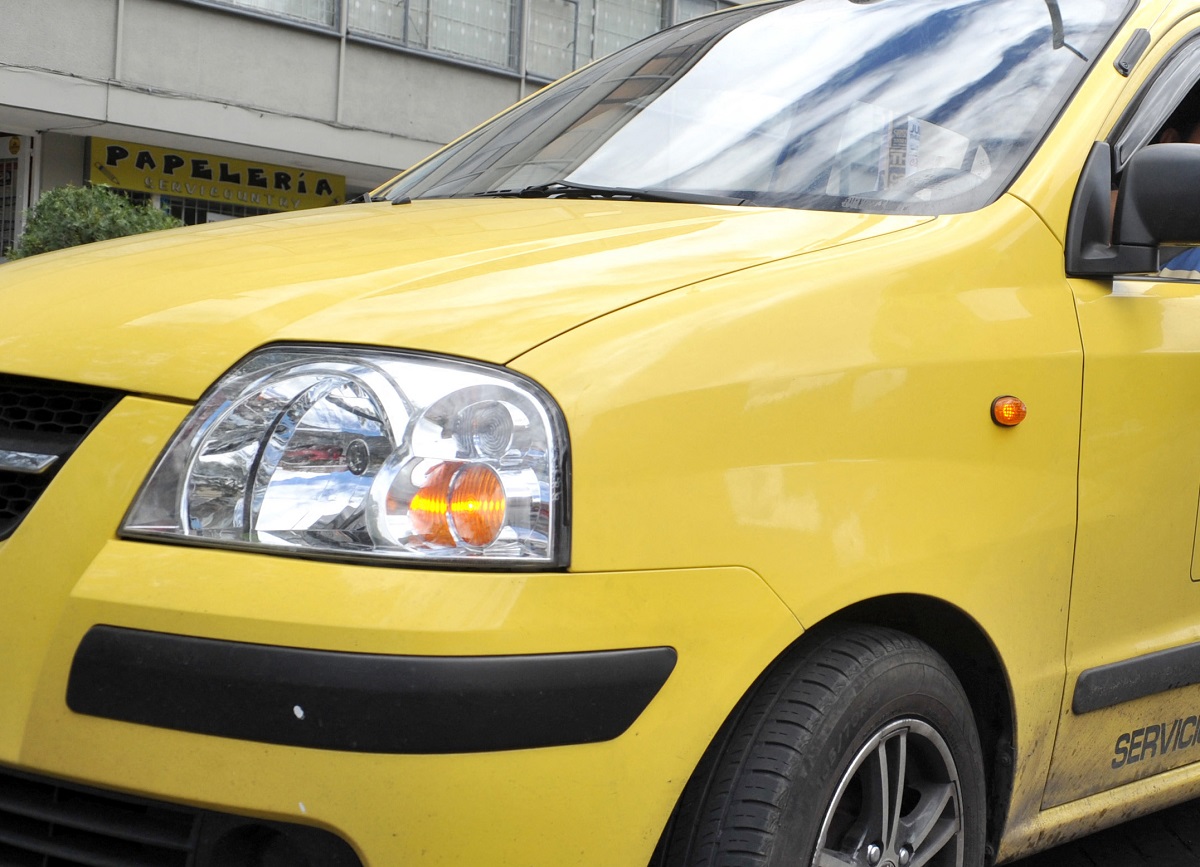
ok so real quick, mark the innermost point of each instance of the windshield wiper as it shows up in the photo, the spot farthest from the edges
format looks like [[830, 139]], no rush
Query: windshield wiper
[[564, 190], [367, 197], [1058, 36]]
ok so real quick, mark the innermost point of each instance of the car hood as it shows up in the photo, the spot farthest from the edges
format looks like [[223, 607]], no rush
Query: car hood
[[167, 313]]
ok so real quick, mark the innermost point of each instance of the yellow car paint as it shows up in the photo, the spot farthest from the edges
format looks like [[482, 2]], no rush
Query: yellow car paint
[[778, 419], [365, 609], [861, 461], [337, 275]]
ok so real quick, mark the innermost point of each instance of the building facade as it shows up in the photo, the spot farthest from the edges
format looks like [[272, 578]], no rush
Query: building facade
[[220, 108]]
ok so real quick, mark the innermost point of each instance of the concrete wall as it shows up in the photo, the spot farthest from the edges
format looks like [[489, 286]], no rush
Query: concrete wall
[[230, 58], [67, 35], [419, 98], [63, 159], [172, 72]]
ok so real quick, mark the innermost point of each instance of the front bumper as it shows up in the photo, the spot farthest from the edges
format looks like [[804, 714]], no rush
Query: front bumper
[[591, 778]]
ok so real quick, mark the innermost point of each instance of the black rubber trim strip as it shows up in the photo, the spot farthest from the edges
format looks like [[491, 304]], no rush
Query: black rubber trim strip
[[1118, 682], [359, 702]]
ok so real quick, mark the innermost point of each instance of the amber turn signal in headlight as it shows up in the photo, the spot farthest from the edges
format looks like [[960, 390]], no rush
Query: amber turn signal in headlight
[[459, 504], [1008, 411]]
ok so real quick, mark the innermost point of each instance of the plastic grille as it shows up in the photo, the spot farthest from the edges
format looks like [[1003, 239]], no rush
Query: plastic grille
[[51, 823], [47, 418], [46, 824], [18, 493], [50, 407]]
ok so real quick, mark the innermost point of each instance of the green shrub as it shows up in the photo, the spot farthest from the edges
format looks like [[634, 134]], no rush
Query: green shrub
[[67, 216]]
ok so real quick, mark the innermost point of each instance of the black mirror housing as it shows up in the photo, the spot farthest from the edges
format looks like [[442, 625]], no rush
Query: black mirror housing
[[1158, 203]]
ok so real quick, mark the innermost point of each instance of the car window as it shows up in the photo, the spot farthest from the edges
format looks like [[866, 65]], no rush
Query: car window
[[1168, 102], [1167, 110], [906, 106]]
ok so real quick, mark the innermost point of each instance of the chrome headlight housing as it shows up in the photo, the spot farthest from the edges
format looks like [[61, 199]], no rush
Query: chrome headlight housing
[[357, 453]]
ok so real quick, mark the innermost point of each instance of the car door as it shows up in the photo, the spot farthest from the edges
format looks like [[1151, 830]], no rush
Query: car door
[[1131, 704]]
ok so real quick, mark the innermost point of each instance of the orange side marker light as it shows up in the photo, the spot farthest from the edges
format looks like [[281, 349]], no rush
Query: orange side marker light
[[1009, 411]]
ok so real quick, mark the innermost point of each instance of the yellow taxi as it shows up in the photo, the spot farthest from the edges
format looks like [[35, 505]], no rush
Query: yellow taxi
[[777, 443]]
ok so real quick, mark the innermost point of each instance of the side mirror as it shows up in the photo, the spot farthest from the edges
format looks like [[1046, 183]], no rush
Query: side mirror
[[1158, 203], [1159, 200]]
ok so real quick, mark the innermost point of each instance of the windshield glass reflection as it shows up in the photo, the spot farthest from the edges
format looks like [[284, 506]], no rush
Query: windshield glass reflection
[[914, 106]]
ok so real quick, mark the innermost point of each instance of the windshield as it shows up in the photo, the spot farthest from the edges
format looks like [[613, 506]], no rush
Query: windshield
[[881, 106]]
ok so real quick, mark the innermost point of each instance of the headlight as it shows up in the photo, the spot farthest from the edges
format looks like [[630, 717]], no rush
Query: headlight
[[329, 451]]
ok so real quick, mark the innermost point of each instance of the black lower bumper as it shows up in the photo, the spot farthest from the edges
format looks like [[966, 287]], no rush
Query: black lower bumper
[[360, 702]]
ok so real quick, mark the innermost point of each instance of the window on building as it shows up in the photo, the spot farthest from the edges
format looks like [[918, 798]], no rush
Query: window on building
[[8, 204], [623, 22], [686, 10], [14, 186], [566, 34], [311, 11], [554, 29], [480, 30], [562, 35], [194, 211]]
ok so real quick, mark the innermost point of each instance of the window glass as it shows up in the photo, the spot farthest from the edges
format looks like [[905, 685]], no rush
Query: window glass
[[563, 34], [566, 34], [311, 11], [1153, 107], [622, 22], [9, 208], [686, 10], [480, 30], [905, 106], [559, 36], [1167, 111]]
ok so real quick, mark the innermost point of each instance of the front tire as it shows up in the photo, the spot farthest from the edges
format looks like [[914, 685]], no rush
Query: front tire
[[859, 750]]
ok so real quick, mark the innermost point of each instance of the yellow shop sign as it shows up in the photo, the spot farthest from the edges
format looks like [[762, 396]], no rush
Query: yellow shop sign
[[173, 172]]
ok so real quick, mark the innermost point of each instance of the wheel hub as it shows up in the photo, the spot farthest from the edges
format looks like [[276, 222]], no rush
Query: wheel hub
[[904, 786]]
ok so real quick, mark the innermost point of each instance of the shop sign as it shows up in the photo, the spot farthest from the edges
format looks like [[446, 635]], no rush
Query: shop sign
[[174, 172]]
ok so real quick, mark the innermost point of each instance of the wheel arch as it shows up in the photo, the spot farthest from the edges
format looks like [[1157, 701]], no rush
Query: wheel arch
[[958, 639], [965, 647]]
